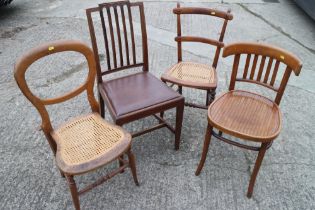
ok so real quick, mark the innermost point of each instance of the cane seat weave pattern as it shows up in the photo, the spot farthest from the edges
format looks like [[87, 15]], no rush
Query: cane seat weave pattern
[[86, 138], [193, 72]]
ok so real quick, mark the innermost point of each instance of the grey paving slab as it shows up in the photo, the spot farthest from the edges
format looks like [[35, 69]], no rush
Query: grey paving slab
[[29, 178]]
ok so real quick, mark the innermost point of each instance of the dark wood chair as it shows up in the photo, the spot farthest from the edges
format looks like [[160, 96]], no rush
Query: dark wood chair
[[86, 142], [191, 74], [247, 115], [137, 95]]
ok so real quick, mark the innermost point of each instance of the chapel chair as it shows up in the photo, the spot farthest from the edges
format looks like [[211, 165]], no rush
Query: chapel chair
[[248, 115], [84, 143], [138, 95], [192, 74]]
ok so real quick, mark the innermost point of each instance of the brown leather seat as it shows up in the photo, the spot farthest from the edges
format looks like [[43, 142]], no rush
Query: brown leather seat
[[136, 92]]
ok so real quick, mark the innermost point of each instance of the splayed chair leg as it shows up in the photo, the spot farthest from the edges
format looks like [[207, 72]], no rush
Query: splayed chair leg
[[132, 164], [259, 160], [205, 149]]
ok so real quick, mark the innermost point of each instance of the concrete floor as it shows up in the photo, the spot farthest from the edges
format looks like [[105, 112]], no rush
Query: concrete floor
[[29, 178]]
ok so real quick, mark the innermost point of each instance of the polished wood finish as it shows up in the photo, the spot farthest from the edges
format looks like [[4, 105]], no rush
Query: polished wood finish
[[210, 87], [248, 115], [77, 158], [124, 104]]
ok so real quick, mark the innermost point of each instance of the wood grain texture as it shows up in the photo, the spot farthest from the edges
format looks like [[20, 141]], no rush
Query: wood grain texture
[[246, 115]]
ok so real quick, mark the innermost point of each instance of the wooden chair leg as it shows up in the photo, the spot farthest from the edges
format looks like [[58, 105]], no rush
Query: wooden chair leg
[[205, 149], [178, 127], [102, 106], [133, 168], [180, 90], [162, 114], [74, 192], [121, 163], [62, 174], [210, 96], [259, 160], [220, 133]]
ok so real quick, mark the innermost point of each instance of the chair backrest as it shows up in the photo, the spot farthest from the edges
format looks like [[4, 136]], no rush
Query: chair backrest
[[116, 11], [265, 75], [44, 50], [201, 11]]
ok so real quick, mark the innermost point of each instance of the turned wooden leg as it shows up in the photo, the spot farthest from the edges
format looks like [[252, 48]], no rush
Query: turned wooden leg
[[132, 164], [205, 149], [74, 192], [102, 106], [259, 160], [178, 127]]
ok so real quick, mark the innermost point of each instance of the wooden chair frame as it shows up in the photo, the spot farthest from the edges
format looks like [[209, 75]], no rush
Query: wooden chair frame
[[40, 104], [127, 63], [211, 91], [274, 54]]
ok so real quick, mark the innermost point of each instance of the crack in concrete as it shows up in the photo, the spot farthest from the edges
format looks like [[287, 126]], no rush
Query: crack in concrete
[[278, 28], [66, 74], [10, 33]]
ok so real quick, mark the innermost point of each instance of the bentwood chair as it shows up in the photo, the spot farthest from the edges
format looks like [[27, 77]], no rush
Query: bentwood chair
[[191, 74], [248, 115], [86, 142], [137, 95]]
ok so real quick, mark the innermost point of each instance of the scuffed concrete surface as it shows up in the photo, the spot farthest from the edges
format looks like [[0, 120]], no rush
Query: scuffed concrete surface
[[29, 178]]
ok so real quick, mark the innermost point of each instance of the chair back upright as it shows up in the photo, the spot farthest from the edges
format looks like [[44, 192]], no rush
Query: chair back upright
[[261, 74], [44, 50], [201, 11], [119, 37]]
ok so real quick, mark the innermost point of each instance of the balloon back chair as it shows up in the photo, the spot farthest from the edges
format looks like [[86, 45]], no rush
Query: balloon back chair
[[87, 142]]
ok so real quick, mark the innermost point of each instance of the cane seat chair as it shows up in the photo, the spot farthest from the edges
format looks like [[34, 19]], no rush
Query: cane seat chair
[[248, 115], [192, 74], [137, 95], [87, 142]]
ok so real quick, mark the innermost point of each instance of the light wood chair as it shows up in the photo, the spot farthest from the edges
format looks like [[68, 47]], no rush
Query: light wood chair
[[191, 74], [87, 142], [247, 115], [137, 95]]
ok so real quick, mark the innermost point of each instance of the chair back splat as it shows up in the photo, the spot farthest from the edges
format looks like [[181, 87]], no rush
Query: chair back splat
[[45, 50], [117, 27], [201, 11], [265, 72], [133, 96]]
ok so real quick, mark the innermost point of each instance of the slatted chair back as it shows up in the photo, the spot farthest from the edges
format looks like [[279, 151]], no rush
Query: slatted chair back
[[44, 50], [264, 73], [201, 11], [121, 55]]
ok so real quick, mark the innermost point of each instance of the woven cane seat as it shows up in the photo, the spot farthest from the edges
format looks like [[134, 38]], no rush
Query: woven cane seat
[[246, 115], [88, 142], [192, 75]]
